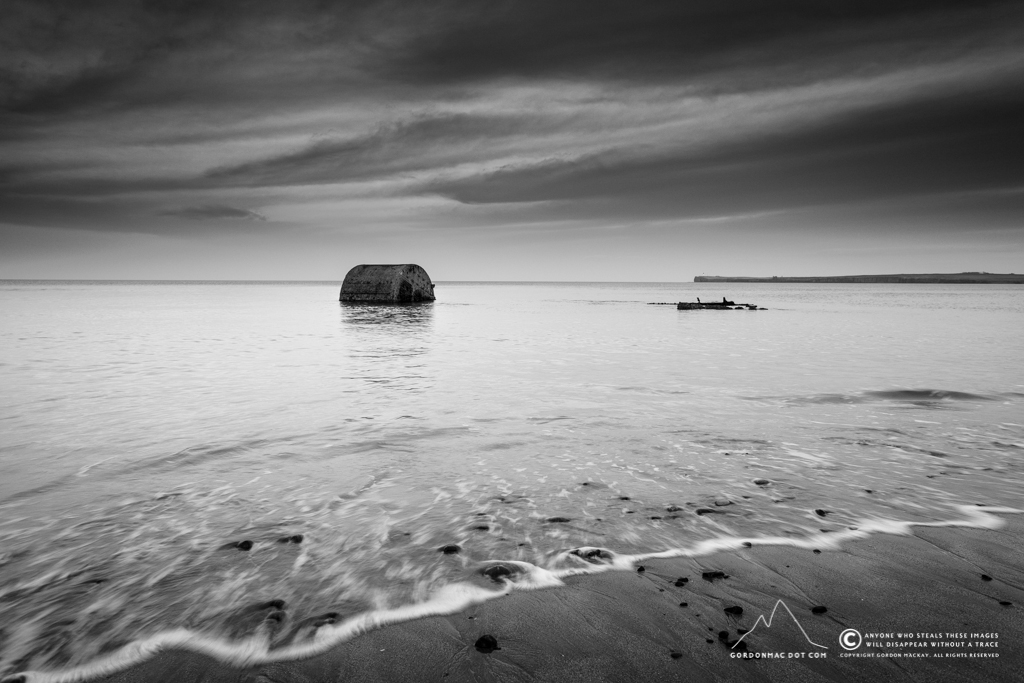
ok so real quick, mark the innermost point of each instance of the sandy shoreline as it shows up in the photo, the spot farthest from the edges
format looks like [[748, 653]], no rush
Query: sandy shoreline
[[633, 626]]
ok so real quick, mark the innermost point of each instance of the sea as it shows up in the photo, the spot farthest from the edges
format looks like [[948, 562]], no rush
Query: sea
[[175, 456]]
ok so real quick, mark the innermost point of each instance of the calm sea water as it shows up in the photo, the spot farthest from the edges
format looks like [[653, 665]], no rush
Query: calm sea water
[[147, 427]]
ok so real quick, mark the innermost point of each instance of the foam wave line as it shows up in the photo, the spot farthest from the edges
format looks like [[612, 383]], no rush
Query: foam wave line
[[456, 597]]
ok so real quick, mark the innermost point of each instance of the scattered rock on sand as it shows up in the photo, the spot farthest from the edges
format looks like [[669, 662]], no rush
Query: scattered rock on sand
[[819, 609], [641, 569], [497, 572], [450, 549], [986, 577], [762, 482], [294, 538], [558, 519], [712, 575], [734, 609], [240, 545], [486, 644], [675, 655], [722, 502], [681, 581], [821, 513]]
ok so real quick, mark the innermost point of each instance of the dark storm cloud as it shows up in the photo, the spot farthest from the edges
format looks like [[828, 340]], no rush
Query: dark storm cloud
[[933, 145], [669, 40], [112, 112]]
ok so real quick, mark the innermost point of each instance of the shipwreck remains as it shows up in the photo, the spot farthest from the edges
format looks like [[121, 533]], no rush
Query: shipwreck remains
[[722, 305], [402, 283]]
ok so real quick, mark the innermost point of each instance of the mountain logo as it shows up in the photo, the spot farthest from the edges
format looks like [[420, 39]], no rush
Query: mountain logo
[[768, 624]]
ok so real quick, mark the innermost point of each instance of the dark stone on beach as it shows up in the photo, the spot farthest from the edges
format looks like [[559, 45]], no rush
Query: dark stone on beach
[[735, 609], [986, 577], [496, 572], [722, 502], [623, 497], [816, 551], [269, 604], [17, 678], [821, 513], [655, 517], [673, 508], [682, 581], [558, 520], [450, 549], [716, 574], [486, 644], [675, 655], [748, 544], [761, 482], [592, 553], [705, 511], [482, 527], [723, 636], [738, 645], [868, 491], [641, 569], [277, 617], [709, 641], [742, 631], [684, 604], [819, 609], [1005, 603], [325, 619], [296, 538], [241, 545]]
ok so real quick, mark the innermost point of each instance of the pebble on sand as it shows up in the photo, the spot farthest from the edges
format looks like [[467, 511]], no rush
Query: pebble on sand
[[682, 581], [734, 609], [450, 549], [986, 577], [496, 572], [819, 609], [558, 519], [486, 644], [712, 575]]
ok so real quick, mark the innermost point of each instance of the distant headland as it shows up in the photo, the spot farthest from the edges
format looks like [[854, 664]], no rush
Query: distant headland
[[906, 278]]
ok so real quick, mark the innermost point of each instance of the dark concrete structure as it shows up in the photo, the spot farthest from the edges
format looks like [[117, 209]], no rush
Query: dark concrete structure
[[403, 283]]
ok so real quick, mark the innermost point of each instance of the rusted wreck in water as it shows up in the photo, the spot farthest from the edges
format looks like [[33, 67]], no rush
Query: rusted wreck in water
[[401, 283]]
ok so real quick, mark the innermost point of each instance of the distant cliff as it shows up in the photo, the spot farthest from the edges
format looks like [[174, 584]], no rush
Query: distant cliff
[[906, 278]]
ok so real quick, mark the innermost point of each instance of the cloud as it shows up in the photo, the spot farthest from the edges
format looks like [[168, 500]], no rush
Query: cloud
[[214, 211], [169, 117]]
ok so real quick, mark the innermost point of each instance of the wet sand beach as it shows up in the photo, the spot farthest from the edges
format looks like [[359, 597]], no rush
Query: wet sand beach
[[945, 603]]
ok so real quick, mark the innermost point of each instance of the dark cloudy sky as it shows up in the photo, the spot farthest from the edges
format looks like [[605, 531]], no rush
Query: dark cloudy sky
[[548, 139]]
